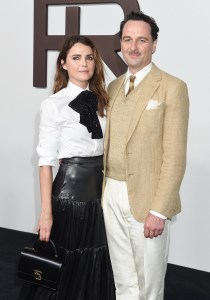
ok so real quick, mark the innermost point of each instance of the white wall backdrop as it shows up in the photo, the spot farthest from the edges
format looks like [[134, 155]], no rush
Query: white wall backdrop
[[183, 50]]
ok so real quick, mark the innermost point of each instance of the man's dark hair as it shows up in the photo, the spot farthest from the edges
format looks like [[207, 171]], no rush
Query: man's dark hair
[[140, 16]]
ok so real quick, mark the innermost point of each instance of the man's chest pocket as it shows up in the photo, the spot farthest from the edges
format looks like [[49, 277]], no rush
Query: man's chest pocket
[[151, 121]]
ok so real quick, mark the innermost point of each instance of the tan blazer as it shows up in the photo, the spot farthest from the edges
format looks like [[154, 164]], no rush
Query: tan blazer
[[155, 152]]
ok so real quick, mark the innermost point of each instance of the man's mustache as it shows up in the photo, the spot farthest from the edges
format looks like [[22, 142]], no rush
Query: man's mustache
[[136, 52]]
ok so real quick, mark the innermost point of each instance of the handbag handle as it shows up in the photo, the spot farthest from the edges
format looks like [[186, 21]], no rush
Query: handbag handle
[[50, 241]]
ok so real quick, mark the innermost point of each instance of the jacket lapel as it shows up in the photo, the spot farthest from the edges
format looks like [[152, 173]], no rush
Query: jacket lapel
[[149, 86]]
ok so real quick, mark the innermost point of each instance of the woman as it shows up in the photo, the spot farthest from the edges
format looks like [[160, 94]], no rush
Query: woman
[[71, 130]]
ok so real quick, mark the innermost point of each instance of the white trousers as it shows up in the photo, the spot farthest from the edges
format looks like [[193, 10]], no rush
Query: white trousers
[[139, 263]]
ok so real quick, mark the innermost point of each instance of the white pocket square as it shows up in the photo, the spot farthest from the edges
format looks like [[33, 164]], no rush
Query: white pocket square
[[153, 104]]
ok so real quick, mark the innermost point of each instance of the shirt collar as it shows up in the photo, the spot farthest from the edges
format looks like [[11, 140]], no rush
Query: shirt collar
[[74, 90], [140, 74]]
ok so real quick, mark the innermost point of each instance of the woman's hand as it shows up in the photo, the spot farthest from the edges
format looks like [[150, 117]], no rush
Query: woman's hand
[[45, 220], [44, 226]]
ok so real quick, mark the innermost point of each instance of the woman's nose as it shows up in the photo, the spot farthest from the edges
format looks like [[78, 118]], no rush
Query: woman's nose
[[84, 62]]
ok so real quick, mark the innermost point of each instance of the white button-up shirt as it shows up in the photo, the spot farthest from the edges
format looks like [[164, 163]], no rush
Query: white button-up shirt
[[61, 135], [139, 76]]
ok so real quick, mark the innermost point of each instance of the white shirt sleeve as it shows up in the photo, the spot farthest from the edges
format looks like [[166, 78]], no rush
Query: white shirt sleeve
[[158, 214], [49, 134]]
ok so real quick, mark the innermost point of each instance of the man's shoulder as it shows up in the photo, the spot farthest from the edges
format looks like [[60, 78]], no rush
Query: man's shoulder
[[173, 79], [170, 79], [116, 82]]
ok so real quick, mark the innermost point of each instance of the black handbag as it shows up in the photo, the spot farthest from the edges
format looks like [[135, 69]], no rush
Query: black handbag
[[41, 265]]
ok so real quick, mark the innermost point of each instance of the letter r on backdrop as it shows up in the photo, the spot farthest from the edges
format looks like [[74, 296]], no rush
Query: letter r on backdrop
[[108, 45]]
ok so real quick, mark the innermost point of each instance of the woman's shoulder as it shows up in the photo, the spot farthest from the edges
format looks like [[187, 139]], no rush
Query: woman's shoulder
[[59, 94], [52, 100]]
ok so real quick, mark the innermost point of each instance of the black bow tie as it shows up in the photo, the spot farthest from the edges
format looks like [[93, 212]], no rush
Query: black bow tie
[[86, 105]]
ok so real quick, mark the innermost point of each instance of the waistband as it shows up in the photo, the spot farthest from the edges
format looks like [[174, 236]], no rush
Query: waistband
[[81, 160]]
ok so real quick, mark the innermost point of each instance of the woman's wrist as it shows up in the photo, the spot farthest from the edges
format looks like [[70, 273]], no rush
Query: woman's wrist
[[46, 211]]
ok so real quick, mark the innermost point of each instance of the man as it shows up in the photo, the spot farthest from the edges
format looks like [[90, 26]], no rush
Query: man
[[144, 163]]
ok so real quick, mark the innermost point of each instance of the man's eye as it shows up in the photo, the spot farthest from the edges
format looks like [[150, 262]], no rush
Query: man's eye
[[127, 40]]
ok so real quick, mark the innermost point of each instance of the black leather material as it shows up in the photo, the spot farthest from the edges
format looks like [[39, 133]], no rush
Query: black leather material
[[79, 230], [40, 266]]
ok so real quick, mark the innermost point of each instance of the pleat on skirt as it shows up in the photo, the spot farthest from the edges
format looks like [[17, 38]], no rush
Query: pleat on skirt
[[78, 227]]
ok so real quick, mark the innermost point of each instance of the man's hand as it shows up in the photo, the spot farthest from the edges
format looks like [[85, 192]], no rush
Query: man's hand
[[153, 226]]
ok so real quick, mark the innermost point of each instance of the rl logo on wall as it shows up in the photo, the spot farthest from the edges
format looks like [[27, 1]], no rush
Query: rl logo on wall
[[108, 45]]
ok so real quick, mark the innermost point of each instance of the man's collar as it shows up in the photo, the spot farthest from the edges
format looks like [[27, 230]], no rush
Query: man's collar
[[140, 74]]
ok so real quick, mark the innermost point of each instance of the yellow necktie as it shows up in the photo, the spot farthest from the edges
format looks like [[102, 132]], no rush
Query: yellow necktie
[[131, 86]]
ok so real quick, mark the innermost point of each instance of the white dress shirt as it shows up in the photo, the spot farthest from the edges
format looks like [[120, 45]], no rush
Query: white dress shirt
[[139, 77], [61, 135]]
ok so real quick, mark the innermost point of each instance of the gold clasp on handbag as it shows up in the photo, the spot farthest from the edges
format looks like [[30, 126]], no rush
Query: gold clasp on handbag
[[38, 275]]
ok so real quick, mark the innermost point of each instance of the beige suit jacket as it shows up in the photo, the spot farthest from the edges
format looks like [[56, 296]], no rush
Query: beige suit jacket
[[155, 151]]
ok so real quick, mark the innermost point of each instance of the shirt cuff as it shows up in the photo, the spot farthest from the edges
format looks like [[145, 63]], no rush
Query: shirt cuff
[[47, 162], [158, 214]]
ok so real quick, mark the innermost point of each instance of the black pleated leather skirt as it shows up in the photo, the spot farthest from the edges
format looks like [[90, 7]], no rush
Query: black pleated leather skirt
[[78, 226]]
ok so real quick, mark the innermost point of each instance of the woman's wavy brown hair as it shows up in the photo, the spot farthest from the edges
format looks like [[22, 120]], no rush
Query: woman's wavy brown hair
[[97, 81]]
